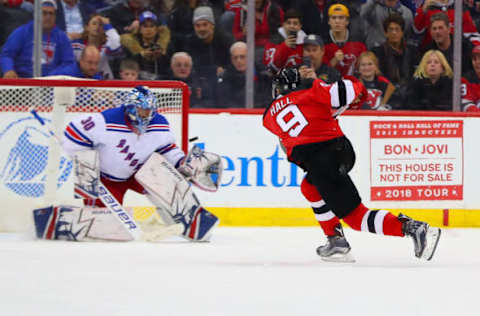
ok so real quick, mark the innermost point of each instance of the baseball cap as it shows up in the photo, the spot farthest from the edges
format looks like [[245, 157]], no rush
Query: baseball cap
[[313, 39], [49, 3], [476, 50], [146, 15], [338, 9], [203, 13]]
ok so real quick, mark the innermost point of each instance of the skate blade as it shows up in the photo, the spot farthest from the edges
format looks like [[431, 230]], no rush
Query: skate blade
[[342, 258], [433, 236]]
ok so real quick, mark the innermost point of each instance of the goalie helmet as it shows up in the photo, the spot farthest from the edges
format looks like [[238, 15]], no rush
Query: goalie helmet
[[285, 81], [136, 104]]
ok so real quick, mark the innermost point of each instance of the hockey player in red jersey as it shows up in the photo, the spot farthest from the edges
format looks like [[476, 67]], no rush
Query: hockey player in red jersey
[[303, 115]]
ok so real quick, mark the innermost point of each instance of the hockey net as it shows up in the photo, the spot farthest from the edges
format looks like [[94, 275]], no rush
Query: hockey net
[[33, 169]]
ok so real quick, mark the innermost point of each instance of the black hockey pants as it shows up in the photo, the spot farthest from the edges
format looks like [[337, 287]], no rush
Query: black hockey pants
[[327, 165]]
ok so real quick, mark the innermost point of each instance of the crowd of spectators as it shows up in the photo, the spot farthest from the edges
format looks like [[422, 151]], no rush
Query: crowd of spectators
[[402, 50]]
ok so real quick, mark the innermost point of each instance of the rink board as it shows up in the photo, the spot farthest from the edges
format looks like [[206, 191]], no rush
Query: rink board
[[431, 175], [292, 217]]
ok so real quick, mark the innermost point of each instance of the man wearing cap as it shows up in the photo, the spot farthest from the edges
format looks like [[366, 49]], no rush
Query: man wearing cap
[[150, 47], [374, 12], [17, 53], [313, 66], [208, 46], [341, 49]]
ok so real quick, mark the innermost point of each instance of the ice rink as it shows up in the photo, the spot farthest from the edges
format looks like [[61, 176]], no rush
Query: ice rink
[[242, 271]]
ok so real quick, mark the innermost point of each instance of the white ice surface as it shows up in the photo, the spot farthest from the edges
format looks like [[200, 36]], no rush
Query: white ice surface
[[242, 271]]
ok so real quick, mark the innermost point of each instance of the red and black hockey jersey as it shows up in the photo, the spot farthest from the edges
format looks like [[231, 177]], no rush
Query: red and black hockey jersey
[[470, 95], [352, 49], [278, 55], [305, 116], [376, 90]]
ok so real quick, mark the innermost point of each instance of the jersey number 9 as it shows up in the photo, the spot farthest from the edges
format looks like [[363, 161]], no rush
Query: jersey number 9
[[293, 123]]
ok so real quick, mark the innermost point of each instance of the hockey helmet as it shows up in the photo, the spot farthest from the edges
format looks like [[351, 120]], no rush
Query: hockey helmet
[[136, 103], [285, 81]]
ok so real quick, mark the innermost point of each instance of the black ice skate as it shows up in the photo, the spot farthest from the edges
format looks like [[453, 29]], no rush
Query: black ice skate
[[337, 248], [425, 238]]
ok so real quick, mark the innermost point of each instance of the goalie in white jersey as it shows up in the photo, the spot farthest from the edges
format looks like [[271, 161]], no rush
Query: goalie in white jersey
[[111, 147]]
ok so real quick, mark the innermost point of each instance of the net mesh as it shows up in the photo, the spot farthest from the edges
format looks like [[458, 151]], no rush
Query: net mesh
[[87, 99]]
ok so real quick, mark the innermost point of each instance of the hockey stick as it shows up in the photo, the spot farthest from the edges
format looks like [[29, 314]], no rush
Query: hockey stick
[[104, 194]]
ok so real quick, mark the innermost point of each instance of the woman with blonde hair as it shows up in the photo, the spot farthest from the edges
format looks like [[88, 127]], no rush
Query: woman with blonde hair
[[379, 88], [431, 87]]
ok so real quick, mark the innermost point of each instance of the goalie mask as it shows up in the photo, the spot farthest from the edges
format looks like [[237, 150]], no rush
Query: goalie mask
[[140, 106], [285, 81]]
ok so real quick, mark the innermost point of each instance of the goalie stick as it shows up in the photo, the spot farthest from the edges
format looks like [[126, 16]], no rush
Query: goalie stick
[[107, 198]]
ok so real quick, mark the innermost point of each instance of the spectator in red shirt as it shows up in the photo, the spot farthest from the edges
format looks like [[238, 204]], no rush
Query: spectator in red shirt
[[268, 18], [341, 50], [285, 48], [471, 84]]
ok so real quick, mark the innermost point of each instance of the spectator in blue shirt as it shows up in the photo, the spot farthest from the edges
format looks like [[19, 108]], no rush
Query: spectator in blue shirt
[[17, 53], [86, 67]]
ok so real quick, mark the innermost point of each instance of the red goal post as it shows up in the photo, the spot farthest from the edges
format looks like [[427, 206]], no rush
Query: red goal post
[[33, 170]]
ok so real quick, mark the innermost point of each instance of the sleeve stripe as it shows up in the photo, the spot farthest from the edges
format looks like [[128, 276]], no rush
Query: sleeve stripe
[[77, 141], [336, 91], [166, 149], [79, 134]]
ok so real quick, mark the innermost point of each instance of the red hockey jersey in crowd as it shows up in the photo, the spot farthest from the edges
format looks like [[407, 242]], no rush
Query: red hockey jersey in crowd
[[470, 96], [305, 116], [421, 23], [351, 51], [278, 55], [262, 27], [376, 90]]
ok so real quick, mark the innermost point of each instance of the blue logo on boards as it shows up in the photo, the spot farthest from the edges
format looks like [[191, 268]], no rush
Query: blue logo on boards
[[257, 171], [24, 158]]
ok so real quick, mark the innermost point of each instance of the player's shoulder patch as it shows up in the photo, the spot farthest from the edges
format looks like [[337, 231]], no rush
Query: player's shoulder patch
[[115, 120], [114, 116], [159, 123]]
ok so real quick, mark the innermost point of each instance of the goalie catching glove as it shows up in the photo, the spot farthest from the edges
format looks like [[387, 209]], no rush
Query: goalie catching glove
[[204, 169]]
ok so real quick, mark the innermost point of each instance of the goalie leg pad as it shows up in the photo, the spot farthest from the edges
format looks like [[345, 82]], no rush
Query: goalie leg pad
[[45, 220], [201, 226], [175, 201], [87, 174], [78, 224]]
